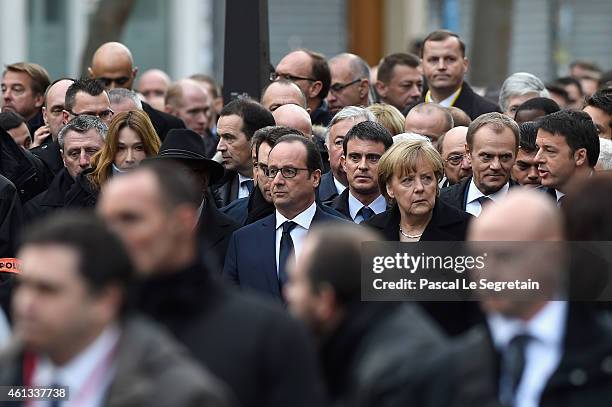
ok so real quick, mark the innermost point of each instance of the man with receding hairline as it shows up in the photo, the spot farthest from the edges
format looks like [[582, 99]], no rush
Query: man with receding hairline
[[295, 117], [457, 165], [153, 85], [283, 92], [350, 82], [535, 350], [113, 65], [430, 120]]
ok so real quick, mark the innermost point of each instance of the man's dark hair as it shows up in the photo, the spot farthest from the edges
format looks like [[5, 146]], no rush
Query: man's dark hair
[[577, 128], [270, 136], [90, 86], [441, 35], [546, 105], [338, 260], [313, 157], [254, 116], [176, 182], [10, 120], [368, 131], [103, 259], [588, 215], [602, 99], [388, 63], [568, 80], [528, 132], [586, 65], [558, 89], [320, 71]]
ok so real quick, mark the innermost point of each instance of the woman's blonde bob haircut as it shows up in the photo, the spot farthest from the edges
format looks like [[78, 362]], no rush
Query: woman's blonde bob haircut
[[406, 157], [388, 116], [136, 120]]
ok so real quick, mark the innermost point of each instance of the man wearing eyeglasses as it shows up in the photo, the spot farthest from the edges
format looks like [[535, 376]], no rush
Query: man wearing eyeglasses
[[350, 84], [457, 165], [87, 97], [258, 254], [310, 72], [113, 65]]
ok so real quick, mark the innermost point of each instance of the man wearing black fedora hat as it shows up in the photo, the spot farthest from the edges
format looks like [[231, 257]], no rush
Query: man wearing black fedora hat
[[214, 228]]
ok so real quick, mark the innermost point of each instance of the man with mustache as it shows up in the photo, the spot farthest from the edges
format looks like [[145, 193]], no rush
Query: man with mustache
[[492, 143], [364, 144]]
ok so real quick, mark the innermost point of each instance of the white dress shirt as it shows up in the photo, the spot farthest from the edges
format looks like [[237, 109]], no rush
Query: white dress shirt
[[378, 205], [298, 233], [559, 195], [543, 352], [448, 102], [473, 206], [243, 191], [88, 375], [339, 187]]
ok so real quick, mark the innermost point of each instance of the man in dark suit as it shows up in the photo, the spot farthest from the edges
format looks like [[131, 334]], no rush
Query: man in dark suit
[[531, 351], [214, 228], [568, 150], [492, 142], [48, 149], [237, 123], [444, 66], [113, 65], [258, 253], [363, 146], [253, 346], [334, 181]]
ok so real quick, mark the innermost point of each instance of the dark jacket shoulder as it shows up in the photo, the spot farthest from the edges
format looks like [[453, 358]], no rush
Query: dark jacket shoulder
[[473, 104], [162, 121]]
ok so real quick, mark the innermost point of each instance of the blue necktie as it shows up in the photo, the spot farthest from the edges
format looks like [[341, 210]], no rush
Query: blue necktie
[[286, 247], [249, 185], [366, 213]]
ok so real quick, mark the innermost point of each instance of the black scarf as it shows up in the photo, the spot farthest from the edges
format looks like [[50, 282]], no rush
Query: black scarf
[[258, 208]]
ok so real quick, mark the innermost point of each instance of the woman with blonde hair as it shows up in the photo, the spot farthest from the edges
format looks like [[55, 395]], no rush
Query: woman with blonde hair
[[408, 175], [388, 116], [131, 138]]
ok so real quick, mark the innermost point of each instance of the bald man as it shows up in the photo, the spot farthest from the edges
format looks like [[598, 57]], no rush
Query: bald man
[[429, 119], [295, 117], [113, 65], [457, 164], [350, 82], [190, 102], [310, 72], [283, 92], [153, 86], [531, 351]]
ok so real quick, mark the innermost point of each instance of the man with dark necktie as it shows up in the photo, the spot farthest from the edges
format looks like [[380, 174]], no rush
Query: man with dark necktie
[[364, 144], [258, 253]]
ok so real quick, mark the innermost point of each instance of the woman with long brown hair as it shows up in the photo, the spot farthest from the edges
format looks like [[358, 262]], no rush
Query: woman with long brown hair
[[131, 138]]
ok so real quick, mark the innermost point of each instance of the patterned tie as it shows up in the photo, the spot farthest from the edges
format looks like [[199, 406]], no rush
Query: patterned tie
[[513, 366], [249, 185], [286, 247], [366, 213]]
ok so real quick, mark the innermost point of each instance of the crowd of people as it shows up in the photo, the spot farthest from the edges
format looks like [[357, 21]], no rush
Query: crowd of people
[[162, 246]]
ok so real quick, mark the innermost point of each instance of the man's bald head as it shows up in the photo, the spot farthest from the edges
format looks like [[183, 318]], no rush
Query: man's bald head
[[523, 215], [112, 63], [282, 92], [190, 102], [429, 119], [295, 117], [153, 85]]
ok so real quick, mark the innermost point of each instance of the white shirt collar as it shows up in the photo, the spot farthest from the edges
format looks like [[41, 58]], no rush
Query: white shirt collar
[[378, 205], [559, 194], [242, 178], [474, 193], [77, 371], [303, 219], [448, 102], [339, 187], [547, 326]]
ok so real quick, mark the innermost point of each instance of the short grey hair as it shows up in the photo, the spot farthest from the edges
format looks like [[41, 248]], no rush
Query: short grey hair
[[82, 124], [414, 137], [359, 67], [349, 113], [118, 95], [520, 84]]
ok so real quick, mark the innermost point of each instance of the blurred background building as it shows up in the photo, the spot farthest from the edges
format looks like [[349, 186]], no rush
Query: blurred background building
[[186, 36]]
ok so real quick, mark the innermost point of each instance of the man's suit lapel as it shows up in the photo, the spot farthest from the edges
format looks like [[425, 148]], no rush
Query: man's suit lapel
[[269, 259]]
